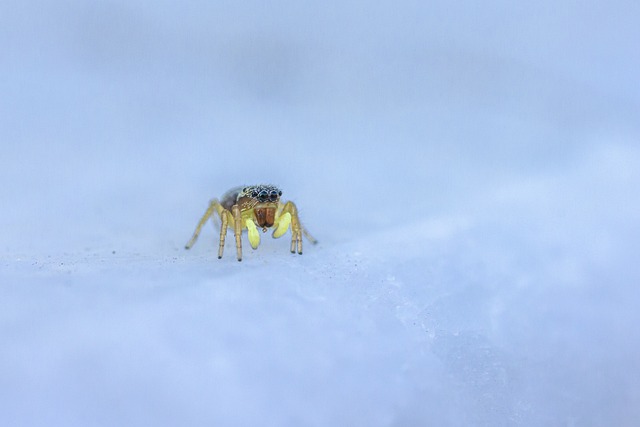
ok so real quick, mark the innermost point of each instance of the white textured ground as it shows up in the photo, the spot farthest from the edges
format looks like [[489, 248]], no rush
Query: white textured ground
[[471, 172]]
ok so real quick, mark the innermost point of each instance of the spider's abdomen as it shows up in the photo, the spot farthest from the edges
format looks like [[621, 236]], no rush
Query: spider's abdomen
[[230, 197]]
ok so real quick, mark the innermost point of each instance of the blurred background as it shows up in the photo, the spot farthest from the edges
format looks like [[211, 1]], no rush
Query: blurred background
[[135, 113], [470, 169]]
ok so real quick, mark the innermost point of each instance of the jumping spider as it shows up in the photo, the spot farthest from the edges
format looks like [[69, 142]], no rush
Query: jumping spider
[[252, 207]]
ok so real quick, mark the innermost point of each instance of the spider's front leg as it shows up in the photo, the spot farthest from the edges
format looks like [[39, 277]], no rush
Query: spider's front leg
[[289, 216], [237, 229], [225, 218]]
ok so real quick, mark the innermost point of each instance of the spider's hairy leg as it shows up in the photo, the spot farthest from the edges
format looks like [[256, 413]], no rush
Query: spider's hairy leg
[[225, 217], [213, 205], [290, 213], [308, 235], [237, 229]]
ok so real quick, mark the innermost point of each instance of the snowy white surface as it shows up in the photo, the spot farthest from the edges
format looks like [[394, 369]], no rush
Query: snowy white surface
[[472, 171]]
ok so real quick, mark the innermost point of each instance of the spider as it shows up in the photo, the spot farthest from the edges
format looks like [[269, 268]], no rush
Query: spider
[[252, 207]]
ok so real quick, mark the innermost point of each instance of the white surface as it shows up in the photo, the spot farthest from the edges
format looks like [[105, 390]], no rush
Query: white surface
[[471, 172]]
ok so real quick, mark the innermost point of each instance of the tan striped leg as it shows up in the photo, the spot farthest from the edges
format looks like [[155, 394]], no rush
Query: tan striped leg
[[307, 234], [212, 208], [237, 229], [224, 217], [296, 228]]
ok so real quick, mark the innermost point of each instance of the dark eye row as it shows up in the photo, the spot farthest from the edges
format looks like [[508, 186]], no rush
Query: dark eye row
[[264, 195]]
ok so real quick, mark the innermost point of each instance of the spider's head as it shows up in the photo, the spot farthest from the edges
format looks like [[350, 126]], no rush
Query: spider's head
[[264, 200]]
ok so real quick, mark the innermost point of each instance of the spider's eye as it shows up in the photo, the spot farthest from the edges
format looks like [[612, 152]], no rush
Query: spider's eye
[[279, 193], [263, 195], [254, 193], [273, 196]]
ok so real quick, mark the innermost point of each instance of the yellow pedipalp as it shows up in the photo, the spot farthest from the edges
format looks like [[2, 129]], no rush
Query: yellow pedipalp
[[283, 225], [254, 235]]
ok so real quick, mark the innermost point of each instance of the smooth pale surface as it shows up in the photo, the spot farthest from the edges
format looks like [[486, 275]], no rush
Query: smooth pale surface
[[471, 171]]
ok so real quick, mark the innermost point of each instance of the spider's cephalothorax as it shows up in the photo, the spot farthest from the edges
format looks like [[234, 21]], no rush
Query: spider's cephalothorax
[[252, 207]]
